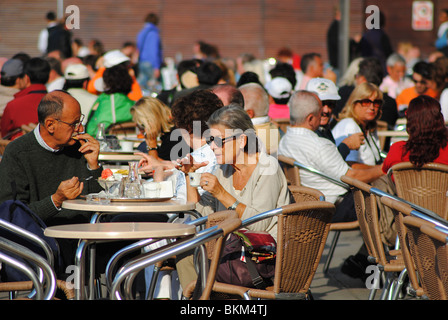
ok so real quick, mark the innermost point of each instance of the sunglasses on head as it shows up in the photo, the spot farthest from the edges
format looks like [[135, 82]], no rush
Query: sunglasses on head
[[367, 102], [219, 142]]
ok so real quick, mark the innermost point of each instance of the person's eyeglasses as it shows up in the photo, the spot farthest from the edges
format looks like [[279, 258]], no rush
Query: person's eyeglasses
[[367, 102], [421, 81], [75, 125], [329, 103], [219, 141]]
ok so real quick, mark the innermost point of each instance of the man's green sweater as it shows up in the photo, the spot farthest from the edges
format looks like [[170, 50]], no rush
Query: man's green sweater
[[38, 172]]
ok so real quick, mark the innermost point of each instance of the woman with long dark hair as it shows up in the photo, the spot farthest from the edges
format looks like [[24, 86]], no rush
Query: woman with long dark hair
[[428, 136]]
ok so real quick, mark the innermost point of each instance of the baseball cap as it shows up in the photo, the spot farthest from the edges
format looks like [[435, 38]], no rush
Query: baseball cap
[[76, 72], [12, 68], [279, 88], [114, 57], [325, 89]]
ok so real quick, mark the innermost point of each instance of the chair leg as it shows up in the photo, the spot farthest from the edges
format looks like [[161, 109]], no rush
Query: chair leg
[[152, 286], [399, 284], [331, 251]]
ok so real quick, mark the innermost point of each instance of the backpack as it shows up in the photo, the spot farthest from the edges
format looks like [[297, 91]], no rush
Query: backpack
[[16, 212]]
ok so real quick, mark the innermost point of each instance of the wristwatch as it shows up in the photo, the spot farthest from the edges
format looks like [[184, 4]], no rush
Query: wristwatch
[[233, 206]]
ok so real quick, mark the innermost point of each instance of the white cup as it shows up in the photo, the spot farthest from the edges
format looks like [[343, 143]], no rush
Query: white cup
[[127, 146], [195, 179], [152, 189]]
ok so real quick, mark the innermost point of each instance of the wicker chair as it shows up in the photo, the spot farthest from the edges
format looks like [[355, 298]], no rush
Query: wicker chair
[[389, 263], [429, 251], [426, 186], [124, 128], [301, 194], [291, 170], [302, 232]]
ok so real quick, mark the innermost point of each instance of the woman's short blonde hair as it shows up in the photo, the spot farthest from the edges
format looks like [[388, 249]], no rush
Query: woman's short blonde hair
[[361, 91], [153, 114]]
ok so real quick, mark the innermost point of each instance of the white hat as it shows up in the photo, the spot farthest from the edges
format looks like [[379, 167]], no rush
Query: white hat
[[279, 88], [325, 89], [76, 71], [114, 57]]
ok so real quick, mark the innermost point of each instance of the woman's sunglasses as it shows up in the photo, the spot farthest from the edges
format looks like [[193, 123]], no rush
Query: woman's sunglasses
[[367, 102], [220, 141]]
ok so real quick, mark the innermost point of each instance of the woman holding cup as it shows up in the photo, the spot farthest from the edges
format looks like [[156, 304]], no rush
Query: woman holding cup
[[247, 180]]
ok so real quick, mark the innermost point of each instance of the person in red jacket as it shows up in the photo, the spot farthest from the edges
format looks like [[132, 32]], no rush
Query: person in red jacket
[[23, 108]]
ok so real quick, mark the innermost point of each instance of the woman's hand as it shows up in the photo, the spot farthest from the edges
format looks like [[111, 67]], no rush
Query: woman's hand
[[149, 163], [187, 164], [210, 183]]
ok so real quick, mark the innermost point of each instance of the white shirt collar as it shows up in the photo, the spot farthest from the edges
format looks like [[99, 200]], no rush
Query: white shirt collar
[[41, 141], [260, 120]]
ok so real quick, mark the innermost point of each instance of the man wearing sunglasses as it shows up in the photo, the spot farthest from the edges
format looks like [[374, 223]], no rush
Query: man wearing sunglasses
[[328, 94], [48, 164], [422, 78]]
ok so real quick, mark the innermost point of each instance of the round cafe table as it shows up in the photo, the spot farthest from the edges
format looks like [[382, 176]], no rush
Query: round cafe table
[[90, 233], [116, 207], [136, 206]]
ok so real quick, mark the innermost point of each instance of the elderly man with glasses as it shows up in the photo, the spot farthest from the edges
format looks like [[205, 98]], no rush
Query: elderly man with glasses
[[50, 164]]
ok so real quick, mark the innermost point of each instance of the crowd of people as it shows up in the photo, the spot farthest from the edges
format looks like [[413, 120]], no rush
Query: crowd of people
[[219, 119]]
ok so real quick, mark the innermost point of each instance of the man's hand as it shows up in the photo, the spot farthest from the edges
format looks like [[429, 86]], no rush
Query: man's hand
[[67, 190], [90, 148]]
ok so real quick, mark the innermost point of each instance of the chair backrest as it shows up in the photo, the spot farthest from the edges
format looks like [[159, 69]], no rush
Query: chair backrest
[[282, 124], [290, 170], [364, 202], [302, 232], [123, 128], [425, 256], [426, 186], [301, 194]]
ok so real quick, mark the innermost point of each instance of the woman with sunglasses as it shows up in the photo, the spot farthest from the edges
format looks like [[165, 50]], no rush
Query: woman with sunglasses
[[246, 180], [428, 136], [360, 114]]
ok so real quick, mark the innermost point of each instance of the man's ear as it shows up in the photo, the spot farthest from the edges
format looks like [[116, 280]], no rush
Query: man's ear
[[251, 113], [50, 124]]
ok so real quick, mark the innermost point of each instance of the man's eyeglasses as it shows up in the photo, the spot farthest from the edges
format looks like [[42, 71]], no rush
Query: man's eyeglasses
[[219, 141], [417, 81], [367, 103], [75, 125]]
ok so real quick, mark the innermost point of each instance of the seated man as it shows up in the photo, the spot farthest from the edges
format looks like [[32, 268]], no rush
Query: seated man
[[256, 104], [49, 163], [302, 144]]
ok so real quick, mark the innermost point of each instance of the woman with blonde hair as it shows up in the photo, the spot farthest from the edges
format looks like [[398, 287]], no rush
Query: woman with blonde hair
[[360, 114], [154, 120]]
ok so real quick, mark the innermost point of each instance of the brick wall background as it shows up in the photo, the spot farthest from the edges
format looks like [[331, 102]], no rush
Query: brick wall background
[[259, 27]]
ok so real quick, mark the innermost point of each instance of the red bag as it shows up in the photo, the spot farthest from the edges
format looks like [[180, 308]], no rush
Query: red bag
[[248, 259]]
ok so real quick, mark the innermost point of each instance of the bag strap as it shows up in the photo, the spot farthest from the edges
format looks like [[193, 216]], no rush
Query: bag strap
[[257, 280]]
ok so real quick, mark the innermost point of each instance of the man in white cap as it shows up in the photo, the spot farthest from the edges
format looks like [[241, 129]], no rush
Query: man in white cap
[[76, 79], [328, 93]]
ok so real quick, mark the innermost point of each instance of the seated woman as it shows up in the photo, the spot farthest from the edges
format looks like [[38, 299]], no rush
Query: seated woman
[[360, 114], [246, 180], [113, 105], [154, 120], [428, 136]]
